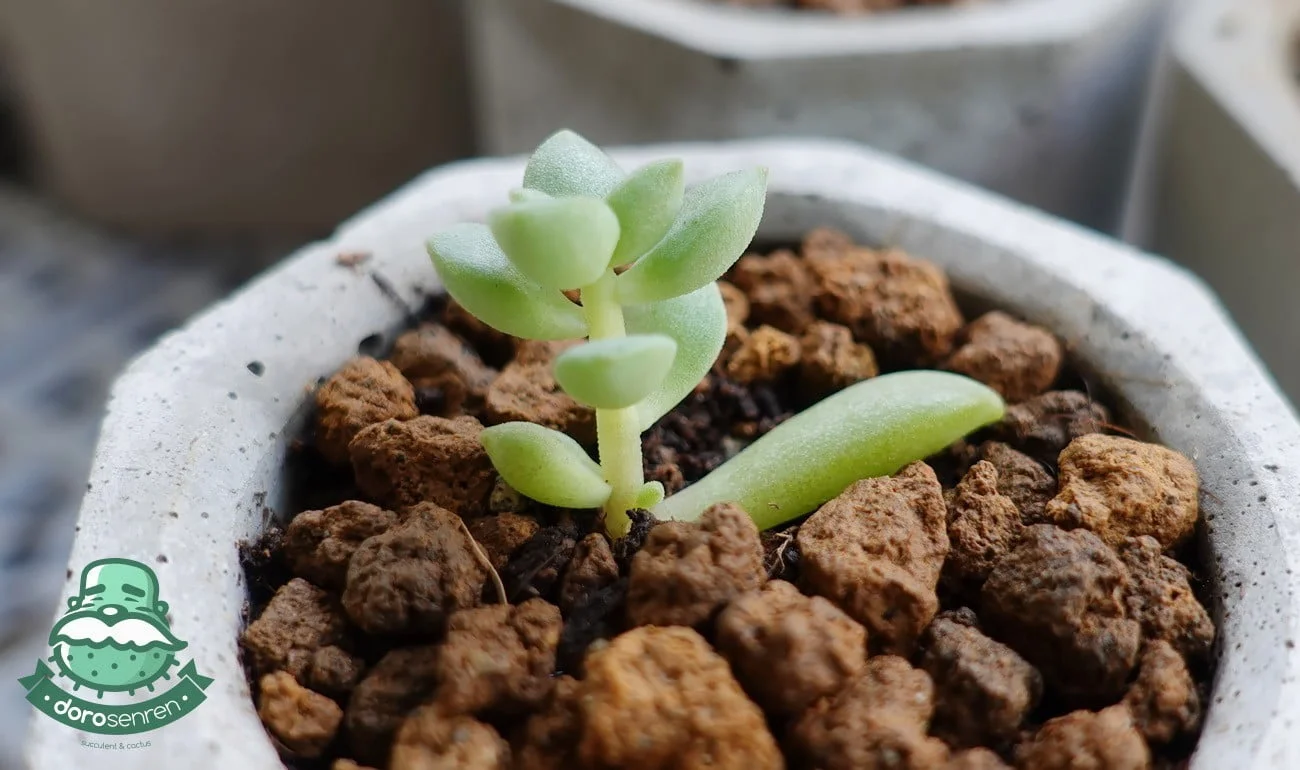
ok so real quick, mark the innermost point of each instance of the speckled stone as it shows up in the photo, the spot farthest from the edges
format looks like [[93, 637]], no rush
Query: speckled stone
[[175, 441]]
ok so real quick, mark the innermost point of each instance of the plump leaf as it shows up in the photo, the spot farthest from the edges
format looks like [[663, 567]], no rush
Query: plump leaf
[[615, 373], [651, 494], [717, 222], [870, 429], [478, 275], [560, 243], [523, 195], [697, 322], [545, 465], [647, 203], [566, 164]]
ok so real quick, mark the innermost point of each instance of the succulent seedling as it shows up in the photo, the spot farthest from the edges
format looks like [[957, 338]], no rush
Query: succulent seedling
[[644, 253]]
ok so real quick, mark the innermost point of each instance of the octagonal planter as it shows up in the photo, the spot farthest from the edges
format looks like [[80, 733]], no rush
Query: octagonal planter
[[1225, 196], [1036, 99], [191, 454]]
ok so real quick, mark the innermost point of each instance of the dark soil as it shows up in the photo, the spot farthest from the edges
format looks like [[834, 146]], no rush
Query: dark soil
[[1014, 617]]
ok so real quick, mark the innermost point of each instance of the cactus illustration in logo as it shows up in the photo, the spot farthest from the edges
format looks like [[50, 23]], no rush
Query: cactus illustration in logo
[[114, 636]]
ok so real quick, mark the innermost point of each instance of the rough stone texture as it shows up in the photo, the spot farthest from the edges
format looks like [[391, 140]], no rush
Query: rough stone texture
[[1160, 597], [592, 568], [976, 759], [1084, 740], [764, 355], [319, 544], [550, 737], [1163, 701], [876, 552], [399, 682], [410, 578], [686, 572], [501, 535], [779, 289], [983, 525], [1121, 488], [425, 460], [1014, 358], [788, 649], [299, 620], [736, 302], [304, 721], [983, 689], [498, 658], [830, 360], [877, 722], [499, 346], [1058, 600], [1044, 426], [432, 358], [432, 740], [528, 392], [335, 672], [660, 698], [363, 392], [1177, 365], [1021, 478]]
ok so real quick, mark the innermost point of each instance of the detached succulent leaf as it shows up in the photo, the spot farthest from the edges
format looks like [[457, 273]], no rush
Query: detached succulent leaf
[[717, 222], [615, 373], [478, 275], [545, 465], [566, 164], [697, 322], [647, 204], [559, 243], [870, 429]]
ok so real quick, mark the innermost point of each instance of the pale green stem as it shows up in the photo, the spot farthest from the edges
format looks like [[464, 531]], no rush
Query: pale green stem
[[618, 432]]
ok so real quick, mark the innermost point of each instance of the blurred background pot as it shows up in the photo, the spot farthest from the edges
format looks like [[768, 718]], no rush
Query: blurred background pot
[[191, 456], [229, 115], [1222, 192], [1035, 99]]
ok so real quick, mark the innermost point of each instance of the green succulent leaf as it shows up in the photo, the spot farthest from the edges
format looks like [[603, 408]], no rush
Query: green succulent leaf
[[478, 275], [524, 195], [870, 429], [717, 222], [566, 164], [615, 373], [647, 203], [697, 322], [560, 243], [545, 465], [651, 495]]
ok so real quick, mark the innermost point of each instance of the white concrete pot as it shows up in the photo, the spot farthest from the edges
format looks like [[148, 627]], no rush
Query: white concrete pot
[[1225, 196], [191, 453], [228, 116], [1036, 99]]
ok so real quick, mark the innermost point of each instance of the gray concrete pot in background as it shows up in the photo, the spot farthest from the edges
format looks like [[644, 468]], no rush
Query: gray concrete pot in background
[[1036, 99], [1223, 189], [229, 116], [191, 453]]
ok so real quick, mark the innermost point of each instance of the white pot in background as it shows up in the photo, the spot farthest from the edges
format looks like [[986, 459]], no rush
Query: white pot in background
[[226, 116], [190, 458], [1035, 99], [1222, 195]]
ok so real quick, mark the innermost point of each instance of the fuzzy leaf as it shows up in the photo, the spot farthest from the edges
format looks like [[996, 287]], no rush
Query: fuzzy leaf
[[870, 429], [717, 222], [478, 275], [524, 195], [566, 164], [615, 373], [651, 494], [697, 322], [545, 465], [647, 203], [560, 243]]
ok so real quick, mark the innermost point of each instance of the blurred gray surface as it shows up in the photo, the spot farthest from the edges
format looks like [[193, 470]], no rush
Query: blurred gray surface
[[75, 305]]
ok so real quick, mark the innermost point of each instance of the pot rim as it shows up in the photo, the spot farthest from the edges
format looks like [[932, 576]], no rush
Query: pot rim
[[194, 440]]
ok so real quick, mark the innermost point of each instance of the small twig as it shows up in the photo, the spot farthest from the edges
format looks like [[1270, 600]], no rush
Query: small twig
[[486, 562], [386, 288]]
